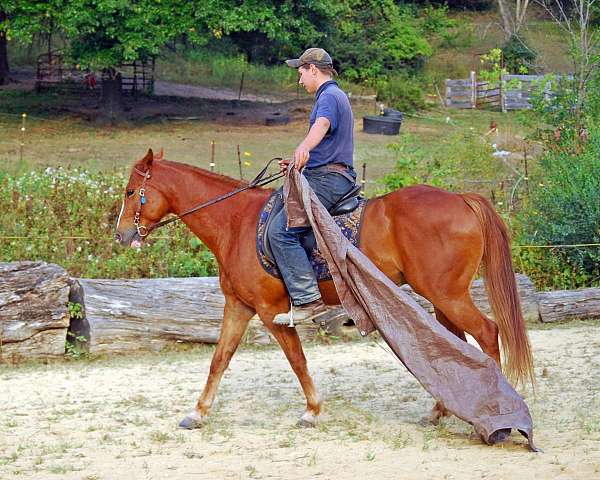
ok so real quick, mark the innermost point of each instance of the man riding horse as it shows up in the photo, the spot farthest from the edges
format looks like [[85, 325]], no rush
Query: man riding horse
[[325, 157]]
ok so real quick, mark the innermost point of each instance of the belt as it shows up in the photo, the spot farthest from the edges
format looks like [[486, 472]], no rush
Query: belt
[[340, 168], [332, 167]]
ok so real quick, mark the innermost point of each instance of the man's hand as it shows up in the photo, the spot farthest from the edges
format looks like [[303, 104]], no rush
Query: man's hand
[[301, 156], [283, 164]]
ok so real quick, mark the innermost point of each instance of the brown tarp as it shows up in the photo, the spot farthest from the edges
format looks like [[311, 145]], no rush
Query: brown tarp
[[467, 381]]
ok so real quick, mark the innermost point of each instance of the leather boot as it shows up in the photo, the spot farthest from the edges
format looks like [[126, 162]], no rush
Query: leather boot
[[301, 314]]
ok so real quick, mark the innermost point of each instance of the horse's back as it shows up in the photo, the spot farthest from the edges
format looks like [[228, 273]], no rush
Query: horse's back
[[421, 229]]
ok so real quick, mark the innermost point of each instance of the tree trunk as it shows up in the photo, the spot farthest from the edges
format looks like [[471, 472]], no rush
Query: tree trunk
[[507, 20], [111, 102], [4, 70]]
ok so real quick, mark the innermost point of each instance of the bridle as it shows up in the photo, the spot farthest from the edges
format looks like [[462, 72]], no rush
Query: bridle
[[143, 230]]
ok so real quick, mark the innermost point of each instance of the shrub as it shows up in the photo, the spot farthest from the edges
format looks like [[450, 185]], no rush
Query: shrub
[[564, 209], [519, 57], [453, 163], [402, 92], [43, 206]]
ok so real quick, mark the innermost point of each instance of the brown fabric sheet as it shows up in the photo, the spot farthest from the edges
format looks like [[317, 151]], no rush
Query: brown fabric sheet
[[467, 381]]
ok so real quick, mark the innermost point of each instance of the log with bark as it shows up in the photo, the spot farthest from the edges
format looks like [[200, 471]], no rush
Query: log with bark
[[34, 315], [124, 315], [150, 314], [569, 304]]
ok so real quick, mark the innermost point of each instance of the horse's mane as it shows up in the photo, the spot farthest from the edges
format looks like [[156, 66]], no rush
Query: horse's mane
[[223, 179]]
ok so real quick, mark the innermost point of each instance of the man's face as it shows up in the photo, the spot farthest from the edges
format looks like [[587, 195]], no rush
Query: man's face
[[308, 78]]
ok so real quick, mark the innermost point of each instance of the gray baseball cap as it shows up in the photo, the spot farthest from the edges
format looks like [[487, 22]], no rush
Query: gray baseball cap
[[316, 56]]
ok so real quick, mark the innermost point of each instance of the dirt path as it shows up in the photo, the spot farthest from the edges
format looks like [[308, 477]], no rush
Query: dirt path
[[114, 419], [162, 87]]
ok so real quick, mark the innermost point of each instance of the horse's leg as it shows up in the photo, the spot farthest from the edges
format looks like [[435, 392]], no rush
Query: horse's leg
[[439, 410], [462, 313], [290, 344], [236, 316]]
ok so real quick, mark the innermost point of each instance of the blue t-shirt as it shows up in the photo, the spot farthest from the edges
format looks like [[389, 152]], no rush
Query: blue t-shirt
[[338, 144]]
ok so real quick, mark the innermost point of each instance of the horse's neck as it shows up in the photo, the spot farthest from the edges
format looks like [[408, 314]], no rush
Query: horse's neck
[[218, 224]]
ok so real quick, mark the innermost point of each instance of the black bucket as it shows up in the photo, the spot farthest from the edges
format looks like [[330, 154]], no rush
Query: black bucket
[[390, 112], [382, 125]]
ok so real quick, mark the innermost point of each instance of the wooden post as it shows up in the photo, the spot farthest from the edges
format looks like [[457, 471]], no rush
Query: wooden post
[[240, 162], [473, 78], [22, 144], [241, 86], [212, 155], [526, 178], [363, 181], [502, 94]]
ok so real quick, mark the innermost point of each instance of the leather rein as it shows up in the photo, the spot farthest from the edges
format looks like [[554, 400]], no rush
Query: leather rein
[[143, 231]]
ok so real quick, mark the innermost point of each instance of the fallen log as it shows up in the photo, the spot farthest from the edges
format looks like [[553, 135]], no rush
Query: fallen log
[[569, 304], [149, 314], [34, 316]]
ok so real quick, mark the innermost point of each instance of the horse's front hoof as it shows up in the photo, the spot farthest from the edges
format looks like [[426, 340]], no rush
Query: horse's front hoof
[[190, 423], [308, 420]]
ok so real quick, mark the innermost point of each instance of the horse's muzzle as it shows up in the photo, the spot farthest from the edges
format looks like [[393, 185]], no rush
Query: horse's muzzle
[[128, 238]]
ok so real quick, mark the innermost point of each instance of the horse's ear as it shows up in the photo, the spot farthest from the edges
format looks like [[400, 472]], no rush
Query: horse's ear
[[160, 155], [147, 160]]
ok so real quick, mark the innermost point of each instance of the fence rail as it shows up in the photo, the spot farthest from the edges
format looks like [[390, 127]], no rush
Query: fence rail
[[512, 92]]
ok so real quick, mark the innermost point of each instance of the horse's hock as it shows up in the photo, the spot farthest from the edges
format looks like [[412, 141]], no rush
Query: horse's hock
[[120, 316]]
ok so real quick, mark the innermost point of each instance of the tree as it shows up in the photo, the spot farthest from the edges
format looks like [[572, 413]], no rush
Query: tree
[[4, 70], [374, 37], [576, 19], [23, 20], [105, 33], [513, 15], [269, 30]]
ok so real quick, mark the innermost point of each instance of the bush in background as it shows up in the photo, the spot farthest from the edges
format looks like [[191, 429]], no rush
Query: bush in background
[[563, 209], [519, 57], [45, 205], [564, 204], [454, 163], [403, 92]]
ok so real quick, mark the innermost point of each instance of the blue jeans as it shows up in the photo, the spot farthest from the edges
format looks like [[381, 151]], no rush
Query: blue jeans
[[291, 258]]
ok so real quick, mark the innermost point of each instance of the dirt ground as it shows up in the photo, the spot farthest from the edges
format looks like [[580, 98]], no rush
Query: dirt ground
[[117, 418]]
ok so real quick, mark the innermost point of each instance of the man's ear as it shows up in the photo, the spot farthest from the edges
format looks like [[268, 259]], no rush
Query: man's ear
[[147, 160]]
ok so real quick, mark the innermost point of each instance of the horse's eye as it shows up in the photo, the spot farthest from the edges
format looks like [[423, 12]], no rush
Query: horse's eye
[[130, 193]]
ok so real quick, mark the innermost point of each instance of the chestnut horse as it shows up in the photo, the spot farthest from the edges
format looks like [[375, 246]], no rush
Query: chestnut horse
[[429, 238]]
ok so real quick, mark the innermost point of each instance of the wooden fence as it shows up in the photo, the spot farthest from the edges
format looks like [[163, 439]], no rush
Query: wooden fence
[[54, 71], [512, 92]]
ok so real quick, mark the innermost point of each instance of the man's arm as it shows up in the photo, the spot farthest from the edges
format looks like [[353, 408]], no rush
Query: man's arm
[[314, 137]]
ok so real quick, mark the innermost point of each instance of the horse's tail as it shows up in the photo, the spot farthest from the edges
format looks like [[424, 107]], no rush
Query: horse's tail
[[502, 292]]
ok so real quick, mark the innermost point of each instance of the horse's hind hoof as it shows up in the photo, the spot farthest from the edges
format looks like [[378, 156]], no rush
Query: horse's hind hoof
[[190, 423]]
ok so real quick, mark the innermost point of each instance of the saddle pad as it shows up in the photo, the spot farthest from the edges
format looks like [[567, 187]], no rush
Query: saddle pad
[[349, 224]]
